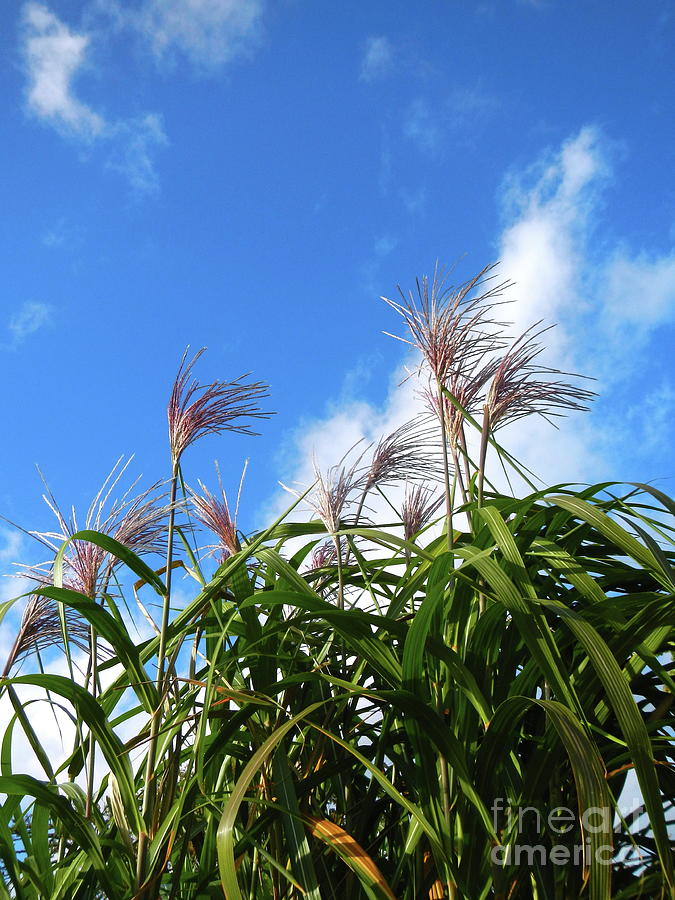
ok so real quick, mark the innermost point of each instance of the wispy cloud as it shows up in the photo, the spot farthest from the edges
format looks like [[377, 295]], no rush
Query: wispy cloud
[[28, 319], [422, 126], [208, 33], [457, 118], [639, 295], [378, 59], [11, 544], [469, 106], [134, 144], [56, 236], [53, 56], [62, 234], [653, 419], [385, 244]]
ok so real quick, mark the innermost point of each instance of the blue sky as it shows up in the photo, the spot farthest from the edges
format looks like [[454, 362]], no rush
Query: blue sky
[[252, 176]]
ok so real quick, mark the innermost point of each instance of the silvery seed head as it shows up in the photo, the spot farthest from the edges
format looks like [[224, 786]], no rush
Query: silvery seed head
[[196, 409]]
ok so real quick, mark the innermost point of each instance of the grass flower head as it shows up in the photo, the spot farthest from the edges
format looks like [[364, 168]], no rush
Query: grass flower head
[[197, 409]]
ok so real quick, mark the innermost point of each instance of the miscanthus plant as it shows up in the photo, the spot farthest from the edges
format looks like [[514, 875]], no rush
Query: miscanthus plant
[[445, 700]]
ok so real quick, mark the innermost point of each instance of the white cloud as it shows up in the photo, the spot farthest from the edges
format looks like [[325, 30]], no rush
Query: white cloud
[[549, 246], [53, 56], [28, 319], [377, 60], [547, 209], [52, 724], [208, 32], [421, 126], [458, 117], [601, 294], [639, 294], [135, 141], [11, 543], [652, 419]]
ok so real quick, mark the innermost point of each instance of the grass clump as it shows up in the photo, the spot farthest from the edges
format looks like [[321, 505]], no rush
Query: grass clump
[[349, 708]]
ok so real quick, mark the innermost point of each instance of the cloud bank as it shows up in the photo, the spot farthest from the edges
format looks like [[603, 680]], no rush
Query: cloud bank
[[600, 298]]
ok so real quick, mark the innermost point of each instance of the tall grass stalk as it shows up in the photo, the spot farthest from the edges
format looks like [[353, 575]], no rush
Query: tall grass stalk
[[149, 781]]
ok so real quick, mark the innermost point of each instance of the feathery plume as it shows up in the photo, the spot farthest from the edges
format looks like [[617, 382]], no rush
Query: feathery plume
[[137, 522], [40, 629], [333, 491], [451, 327], [419, 506], [214, 513], [324, 555], [455, 331], [197, 409], [322, 568], [467, 387], [521, 387], [408, 452]]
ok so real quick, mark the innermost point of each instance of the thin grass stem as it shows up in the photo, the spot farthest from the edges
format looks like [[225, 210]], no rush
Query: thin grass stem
[[150, 784]]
